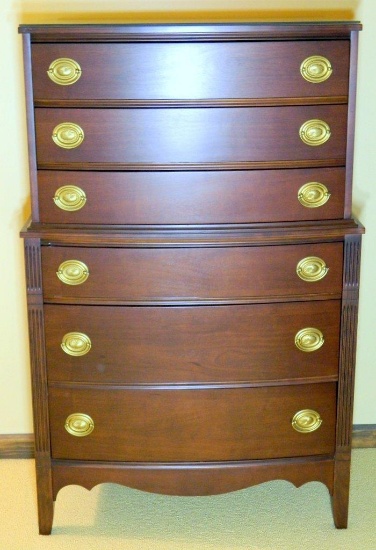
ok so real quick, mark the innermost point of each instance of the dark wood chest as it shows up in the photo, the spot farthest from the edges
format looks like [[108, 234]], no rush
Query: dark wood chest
[[192, 263]]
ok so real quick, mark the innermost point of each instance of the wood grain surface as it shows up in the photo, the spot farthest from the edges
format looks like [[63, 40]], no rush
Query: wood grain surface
[[192, 424]]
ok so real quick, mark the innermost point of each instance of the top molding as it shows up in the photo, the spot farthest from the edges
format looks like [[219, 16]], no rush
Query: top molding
[[210, 32]]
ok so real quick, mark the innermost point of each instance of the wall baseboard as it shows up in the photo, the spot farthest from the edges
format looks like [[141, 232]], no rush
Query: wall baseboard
[[22, 445], [364, 436], [16, 446]]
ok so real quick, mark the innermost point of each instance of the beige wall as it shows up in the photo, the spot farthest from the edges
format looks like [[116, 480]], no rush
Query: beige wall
[[15, 403]]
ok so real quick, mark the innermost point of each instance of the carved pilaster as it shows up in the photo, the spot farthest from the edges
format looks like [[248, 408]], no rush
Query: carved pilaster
[[349, 321], [39, 383], [37, 348], [33, 267]]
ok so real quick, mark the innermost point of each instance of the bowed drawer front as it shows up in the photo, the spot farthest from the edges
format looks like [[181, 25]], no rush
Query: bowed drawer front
[[190, 71], [193, 344], [192, 263], [192, 425], [191, 197], [171, 136], [191, 273]]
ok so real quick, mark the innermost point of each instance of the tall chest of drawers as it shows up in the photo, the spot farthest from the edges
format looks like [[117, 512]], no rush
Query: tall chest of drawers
[[192, 263]]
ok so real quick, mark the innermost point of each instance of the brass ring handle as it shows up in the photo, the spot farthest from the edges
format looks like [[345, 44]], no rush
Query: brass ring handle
[[309, 339], [79, 424], [313, 194], [64, 71], [68, 135], [314, 132], [70, 198], [73, 272], [311, 269], [306, 421], [316, 69], [76, 344]]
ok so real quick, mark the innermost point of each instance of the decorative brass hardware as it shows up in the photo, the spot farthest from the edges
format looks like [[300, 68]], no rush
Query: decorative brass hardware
[[68, 135], [316, 69], [313, 194], [309, 339], [306, 421], [73, 272], [79, 424], [64, 71], [76, 343], [311, 269], [70, 198], [314, 132]]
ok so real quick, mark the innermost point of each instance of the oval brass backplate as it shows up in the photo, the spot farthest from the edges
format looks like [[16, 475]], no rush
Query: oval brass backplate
[[311, 269], [306, 421], [73, 272], [64, 71], [313, 194], [316, 69], [76, 343], [68, 135], [314, 132], [309, 339], [70, 198], [79, 424]]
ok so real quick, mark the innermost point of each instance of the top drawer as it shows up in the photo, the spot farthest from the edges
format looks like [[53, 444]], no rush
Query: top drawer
[[190, 70]]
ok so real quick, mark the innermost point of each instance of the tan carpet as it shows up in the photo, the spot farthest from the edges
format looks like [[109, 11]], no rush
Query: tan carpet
[[271, 516]]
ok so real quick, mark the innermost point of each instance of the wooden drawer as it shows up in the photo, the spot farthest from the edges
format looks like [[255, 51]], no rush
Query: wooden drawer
[[189, 197], [191, 344], [193, 274], [192, 424], [190, 71], [168, 136]]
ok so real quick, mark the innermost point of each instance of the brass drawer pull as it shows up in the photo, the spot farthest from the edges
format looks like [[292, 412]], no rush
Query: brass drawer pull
[[316, 69], [314, 132], [79, 424], [68, 135], [70, 198], [64, 71], [76, 343], [311, 269], [309, 339], [313, 194], [306, 421], [73, 272]]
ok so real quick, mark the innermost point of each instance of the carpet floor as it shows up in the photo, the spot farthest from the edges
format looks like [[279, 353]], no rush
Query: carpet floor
[[271, 516]]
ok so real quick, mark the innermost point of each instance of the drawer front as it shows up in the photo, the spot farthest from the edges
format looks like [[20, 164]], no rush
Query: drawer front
[[165, 136], [189, 273], [191, 197], [192, 344], [191, 425], [184, 71]]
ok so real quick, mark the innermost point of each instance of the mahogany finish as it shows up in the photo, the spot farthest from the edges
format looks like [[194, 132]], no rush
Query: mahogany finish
[[193, 479], [191, 274], [192, 230], [192, 425], [231, 344], [191, 197], [181, 71], [168, 136]]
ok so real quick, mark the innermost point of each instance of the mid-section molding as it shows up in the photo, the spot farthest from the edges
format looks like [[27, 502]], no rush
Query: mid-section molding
[[192, 236]]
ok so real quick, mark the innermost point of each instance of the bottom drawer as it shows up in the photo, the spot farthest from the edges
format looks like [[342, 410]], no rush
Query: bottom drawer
[[174, 424]]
